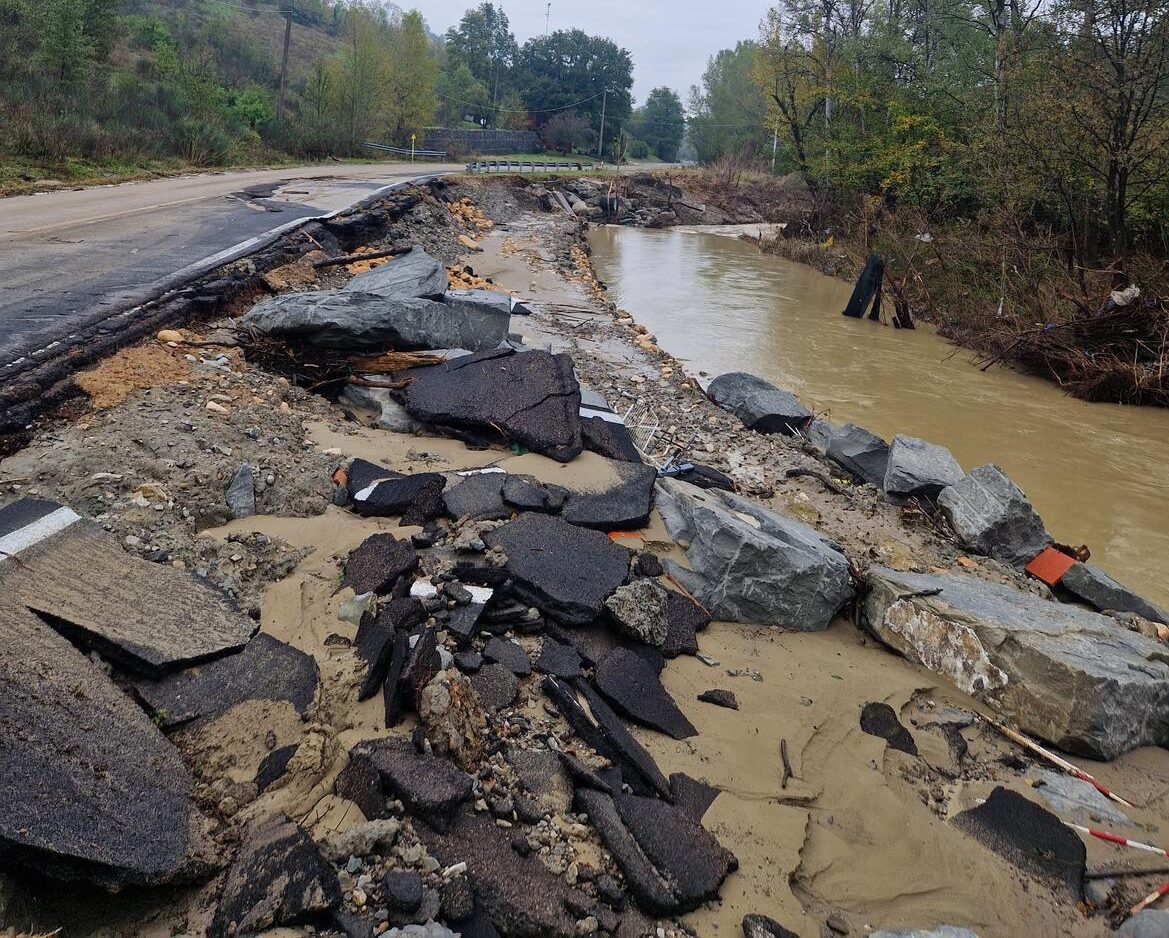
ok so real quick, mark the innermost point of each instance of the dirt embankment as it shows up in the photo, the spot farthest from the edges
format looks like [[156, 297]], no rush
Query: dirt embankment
[[831, 827]]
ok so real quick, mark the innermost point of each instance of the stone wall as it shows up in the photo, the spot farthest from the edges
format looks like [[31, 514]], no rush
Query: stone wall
[[482, 142]]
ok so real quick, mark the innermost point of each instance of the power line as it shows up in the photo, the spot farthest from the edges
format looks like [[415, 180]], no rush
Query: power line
[[506, 110]]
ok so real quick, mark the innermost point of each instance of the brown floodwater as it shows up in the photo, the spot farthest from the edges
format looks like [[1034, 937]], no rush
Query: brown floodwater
[[1098, 473]]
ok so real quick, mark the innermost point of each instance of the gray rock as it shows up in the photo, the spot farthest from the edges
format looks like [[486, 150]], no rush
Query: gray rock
[[639, 609], [1098, 589], [632, 685], [991, 515], [820, 433], [1062, 673], [277, 878], [415, 274], [502, 301], [89, 787], [1151, 923], [862, 453], [379, 405], [759, 404], [566, 571], [241, 493], [530, 398], [496, 686], [919, 468], [267, 669], [363, 322], [775, 571]]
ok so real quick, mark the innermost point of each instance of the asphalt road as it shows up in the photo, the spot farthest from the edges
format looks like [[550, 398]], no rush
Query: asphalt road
[[68, 256]]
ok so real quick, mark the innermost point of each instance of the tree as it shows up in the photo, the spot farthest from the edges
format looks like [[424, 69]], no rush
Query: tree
[[361, 73], [483, 42], [663, 123], [570, 70], [511, 114], [567, 131], [461, 95], [410, 79], [727, 110]]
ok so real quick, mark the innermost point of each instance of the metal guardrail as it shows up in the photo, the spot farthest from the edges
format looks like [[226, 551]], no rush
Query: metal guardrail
[[406, 151], [526, 166]]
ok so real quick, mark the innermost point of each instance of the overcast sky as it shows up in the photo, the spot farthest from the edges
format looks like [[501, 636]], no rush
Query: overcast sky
[[670, 39]]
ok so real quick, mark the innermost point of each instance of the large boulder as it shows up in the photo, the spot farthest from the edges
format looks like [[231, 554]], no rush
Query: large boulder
[[991, 515], [748, 564], [759, 404], [89, 787], [364, 322], [410, 275], [531, 398], [919, 468], [1064, 674], [862, 453], [1098, 589]]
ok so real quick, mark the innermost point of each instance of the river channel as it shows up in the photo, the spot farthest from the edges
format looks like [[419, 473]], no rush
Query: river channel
[[1097, 473]]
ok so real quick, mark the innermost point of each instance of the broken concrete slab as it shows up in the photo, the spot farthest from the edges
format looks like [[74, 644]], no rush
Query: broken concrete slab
[[90, 787], [558, 659], [748, 564], [409, 275], [1059, 672], [684, 620], [429, 786], [564, 570], [918, 468], [55, 563], [267, 669], [640, 610], [364, 322], [519, 894], [378, 563], [991, 515], [761, 406], [496, 686], [277, 878], [509, 654], [388, 495], [1099, 590], [862, 453], [531, 398], [1029, 836], [880, 720], [632, 686]]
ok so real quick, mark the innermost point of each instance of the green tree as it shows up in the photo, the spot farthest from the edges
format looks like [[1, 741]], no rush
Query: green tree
[[727, 110], [663, 123], [461, 95], [483, 42], [410, 79]]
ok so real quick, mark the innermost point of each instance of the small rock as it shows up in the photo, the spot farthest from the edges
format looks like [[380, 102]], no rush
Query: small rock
[[838, 924], [639, 610], [720, 698], [241, 493], [403, 890]]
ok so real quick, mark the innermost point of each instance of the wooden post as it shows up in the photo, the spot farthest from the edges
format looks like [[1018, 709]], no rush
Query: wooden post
[[284, 65], [867, 286]]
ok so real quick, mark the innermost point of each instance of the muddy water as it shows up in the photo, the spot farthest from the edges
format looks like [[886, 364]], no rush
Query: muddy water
[[1098, 473]]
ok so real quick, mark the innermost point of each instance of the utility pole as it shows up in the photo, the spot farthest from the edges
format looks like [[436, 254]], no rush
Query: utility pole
[[547, 18], [774, 146], [284, 62], [601, 143]]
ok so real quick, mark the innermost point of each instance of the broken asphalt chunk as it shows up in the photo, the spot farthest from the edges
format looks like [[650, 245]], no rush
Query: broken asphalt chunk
[[691, 795], [564, 570], [558, 659], [524, 493], [623, 748], [378, 563], [375, 639], [277, 878], [89, 787], [760, 926], [267, 669], [608, 438], [429, 786], [54, 563], [531, 398], [392, 494], [720, 698], [684, 619], [880, 720], [622, 502], [632, 685], [496, 686], [1029, 836], [509, 654]]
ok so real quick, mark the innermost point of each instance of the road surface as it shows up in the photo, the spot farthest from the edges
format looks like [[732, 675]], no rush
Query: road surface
[[68, 255]]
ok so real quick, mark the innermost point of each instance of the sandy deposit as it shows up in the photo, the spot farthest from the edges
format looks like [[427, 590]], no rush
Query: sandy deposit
[[861, 830]]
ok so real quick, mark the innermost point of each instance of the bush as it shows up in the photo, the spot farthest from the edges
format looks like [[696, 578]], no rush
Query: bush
[[639, 150]]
